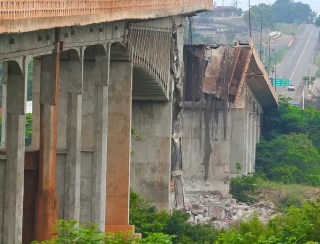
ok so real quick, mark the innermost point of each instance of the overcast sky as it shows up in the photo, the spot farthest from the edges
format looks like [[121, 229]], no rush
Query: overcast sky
[[314, 4]]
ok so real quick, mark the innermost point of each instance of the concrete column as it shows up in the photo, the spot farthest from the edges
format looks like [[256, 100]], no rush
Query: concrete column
[[101, 136], [72, 75], [35, 142], [151, 146], [254, 144], [238, 140], [247, 136], [15, 148], [4, 104], [47, 202], [250, 143], [119, 136]]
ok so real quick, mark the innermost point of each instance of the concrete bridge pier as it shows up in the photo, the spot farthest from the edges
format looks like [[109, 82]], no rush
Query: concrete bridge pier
[[245, 132], [14, 169], [101, 139], [47, 202], [151, 150], [119, 137], [72, 76]]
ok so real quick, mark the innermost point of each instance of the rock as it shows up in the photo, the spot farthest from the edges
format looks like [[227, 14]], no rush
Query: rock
[[217, 213], [197, 209], [221, 210], [199, 218], [220, 224], [233, 201]]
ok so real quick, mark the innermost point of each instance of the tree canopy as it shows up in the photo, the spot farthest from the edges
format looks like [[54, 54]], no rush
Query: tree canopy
[[290, 149], [282, 11]]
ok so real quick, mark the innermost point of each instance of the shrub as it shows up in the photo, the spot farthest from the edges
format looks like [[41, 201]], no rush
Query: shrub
[[297, 225], [148, 220], [289, 159], [145, 217], [242, 188]]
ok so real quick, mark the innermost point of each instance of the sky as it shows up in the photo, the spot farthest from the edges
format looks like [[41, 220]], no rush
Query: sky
[[314, 4]]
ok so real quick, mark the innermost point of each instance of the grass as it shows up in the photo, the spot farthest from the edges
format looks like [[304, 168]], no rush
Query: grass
[[281, 54], [285, 195], [288, 29], [318, 66]]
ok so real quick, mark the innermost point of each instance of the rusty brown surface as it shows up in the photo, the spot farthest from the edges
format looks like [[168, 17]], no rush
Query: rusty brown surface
[[222, 72], [29, 15], [13, 9], [47, 202], [30, 191], [195, 64], [239, 74]]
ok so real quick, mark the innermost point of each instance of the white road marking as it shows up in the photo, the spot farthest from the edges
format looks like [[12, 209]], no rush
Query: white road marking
[[295, 67]]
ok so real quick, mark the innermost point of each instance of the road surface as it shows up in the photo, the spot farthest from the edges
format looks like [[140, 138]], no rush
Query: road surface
[[299, 60]]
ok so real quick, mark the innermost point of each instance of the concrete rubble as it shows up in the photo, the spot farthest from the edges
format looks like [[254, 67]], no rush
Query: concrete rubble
[[222, 211]]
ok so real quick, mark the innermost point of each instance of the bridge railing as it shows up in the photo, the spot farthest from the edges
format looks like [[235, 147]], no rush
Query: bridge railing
[[21, 9]]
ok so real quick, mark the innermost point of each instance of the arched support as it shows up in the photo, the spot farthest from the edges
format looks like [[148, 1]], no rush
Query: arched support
[[15, 147]]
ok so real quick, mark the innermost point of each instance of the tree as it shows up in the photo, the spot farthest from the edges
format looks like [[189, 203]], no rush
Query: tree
[[267, 17], [290, 159], [287, 11], [317, 21]]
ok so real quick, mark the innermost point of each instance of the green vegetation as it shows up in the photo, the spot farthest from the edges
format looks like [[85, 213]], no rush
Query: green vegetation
[[288, 29], [148, 220], [289, 151], [281, 54], [318, 66], [28, 132], [243, 188], [69, 233], [282, 11], [297, 225]]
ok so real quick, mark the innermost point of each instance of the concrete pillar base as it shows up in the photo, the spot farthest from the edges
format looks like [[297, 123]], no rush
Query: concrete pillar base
[[46, 205], [119, 228]]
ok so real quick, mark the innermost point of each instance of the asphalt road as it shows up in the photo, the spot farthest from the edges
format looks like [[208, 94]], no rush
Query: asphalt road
[[298, 62]]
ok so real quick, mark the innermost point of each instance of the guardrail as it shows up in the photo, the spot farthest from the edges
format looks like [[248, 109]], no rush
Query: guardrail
[[22, 9]]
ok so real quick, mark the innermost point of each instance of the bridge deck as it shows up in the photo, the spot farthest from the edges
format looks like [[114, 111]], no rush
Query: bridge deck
[[29, 15]]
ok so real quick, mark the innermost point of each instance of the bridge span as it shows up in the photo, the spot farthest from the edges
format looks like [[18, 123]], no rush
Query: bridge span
[[95, 66], [108, 91]]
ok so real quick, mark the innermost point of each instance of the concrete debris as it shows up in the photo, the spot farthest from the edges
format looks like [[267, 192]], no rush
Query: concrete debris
[[222, 211]]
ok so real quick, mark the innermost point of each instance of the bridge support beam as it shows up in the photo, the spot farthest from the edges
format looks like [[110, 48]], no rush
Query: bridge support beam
[[101, 136], [35, 142], [15, 147], [47, 202], [118, 157], [245, 134], [72, 74]]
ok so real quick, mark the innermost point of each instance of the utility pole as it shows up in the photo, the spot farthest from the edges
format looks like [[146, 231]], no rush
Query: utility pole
[[190, 31], [303, 98], [249, 21], [260, 49], [222, 8]]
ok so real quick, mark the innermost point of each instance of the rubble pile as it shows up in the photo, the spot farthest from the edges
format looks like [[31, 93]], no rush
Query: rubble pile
[[222, 211]]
